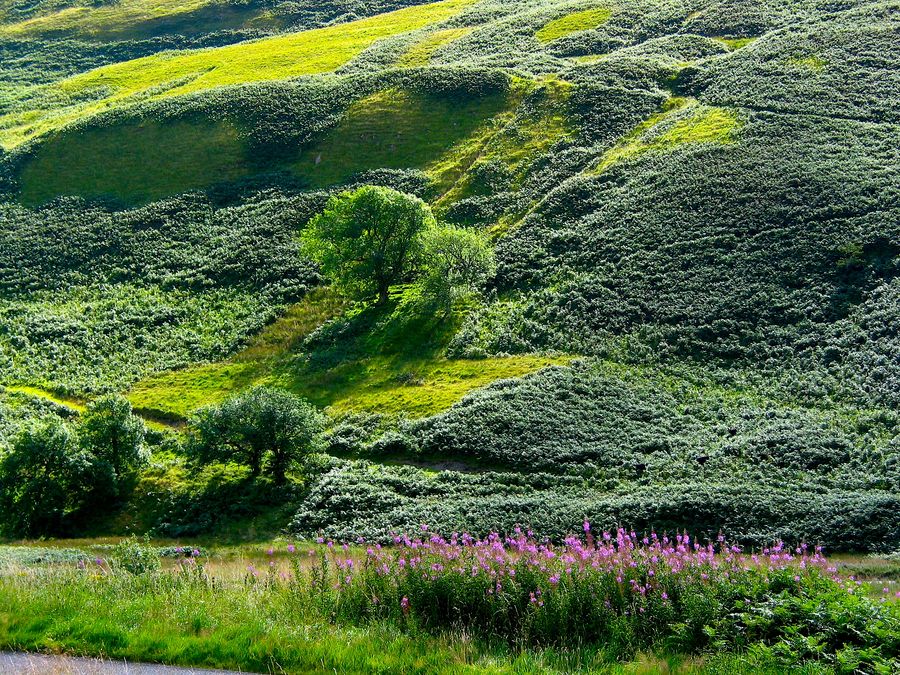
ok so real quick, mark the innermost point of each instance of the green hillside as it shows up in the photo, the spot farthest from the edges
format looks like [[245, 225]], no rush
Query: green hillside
[[693, 204]]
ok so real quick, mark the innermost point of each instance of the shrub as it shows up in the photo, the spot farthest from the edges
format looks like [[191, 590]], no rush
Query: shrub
[[135, 556], [45, 479], [457, 263], [114, 434]]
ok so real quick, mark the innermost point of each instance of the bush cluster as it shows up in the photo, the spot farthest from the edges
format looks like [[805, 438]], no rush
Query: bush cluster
[[56, 474]]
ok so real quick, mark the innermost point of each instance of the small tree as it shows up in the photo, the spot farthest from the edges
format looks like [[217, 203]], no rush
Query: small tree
[[263, 428], [368, 239], [457, 263], [114, 434], [46, 477]]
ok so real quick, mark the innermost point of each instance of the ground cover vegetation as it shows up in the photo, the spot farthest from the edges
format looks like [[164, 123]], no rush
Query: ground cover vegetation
[[575, 135], [525, 605], [651, 279]]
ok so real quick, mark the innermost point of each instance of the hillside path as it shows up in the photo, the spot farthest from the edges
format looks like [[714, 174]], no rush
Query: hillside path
[[38, 664]]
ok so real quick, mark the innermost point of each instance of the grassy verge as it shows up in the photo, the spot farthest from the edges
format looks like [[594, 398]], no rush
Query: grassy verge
[[438, 606]]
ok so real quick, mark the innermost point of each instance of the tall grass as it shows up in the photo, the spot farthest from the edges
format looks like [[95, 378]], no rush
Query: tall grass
[[498, 604]]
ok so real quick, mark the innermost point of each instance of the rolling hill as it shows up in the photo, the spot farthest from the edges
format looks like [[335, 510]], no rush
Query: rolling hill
[[694, 205]]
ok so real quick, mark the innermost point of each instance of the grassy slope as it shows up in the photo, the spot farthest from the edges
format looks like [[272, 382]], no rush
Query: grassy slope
[[377, 372], [163, 158], [422, 52], [178, 73], [573, 23], [681, 121], [396, 369], [394, 129], [117, 18], [389, 129]]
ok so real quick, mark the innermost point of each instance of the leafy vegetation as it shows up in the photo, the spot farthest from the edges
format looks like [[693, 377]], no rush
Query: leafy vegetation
[[525, 606], [368, 240], [261, 428], [661, 291], [55, 473]]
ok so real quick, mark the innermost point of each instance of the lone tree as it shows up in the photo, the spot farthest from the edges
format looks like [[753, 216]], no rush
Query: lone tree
[[368, 239], [266, 429]]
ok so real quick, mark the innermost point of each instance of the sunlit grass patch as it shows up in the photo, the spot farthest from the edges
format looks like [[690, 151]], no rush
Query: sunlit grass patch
[[682, 121], [179, 393], [735, 43], [814, 63], [395, 129], [414, 387], [421, 52], [176, 73], [391, 363], [139, 161], [524, 135], [66, 401], [572, 23], [134, 162], [114, 17]]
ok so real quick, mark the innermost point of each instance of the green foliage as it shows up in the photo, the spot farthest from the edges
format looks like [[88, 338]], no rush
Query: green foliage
[[457, 264], [179, 393], [114, 435], [44, 479], [144, 289], [623, 445], [735, 620], [263, 428], [135, 556], [734, 263], [368, 240]]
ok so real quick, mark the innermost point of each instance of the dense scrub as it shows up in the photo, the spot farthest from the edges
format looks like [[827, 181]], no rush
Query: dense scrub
[[139, 290], [700, 198]]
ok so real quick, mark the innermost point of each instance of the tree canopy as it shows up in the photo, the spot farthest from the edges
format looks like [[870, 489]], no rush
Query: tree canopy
[[456, 263], [267, 429], [368, 239], [45, 478], [114, 434]]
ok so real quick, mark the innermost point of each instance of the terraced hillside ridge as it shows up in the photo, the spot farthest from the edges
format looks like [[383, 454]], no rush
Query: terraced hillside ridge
[[693, 206]]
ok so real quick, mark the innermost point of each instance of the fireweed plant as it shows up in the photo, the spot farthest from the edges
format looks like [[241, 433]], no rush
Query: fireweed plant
[[603, 595], [625, 591]]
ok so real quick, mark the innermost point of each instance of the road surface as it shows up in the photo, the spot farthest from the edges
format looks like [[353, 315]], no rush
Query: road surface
[[38, 664]]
